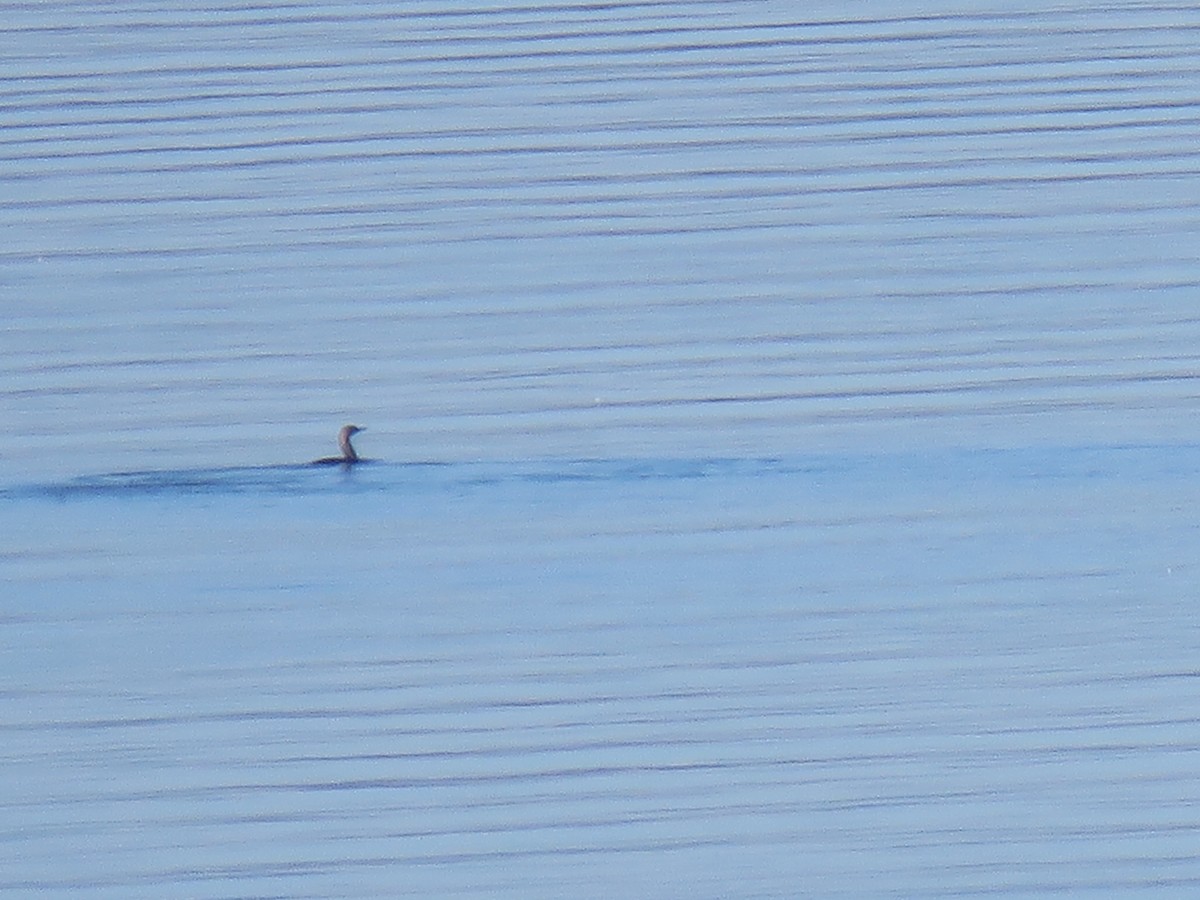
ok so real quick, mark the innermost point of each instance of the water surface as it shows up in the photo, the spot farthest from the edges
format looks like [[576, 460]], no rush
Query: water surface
[[783, 446]]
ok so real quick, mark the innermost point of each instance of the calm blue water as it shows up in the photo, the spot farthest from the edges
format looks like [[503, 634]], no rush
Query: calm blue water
[[783, 438]]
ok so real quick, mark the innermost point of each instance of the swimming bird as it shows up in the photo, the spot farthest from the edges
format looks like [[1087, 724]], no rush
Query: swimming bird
[[348, 456]]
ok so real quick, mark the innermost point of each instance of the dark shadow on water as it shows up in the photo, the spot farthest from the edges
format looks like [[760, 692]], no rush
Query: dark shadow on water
[[939, 471], [278, 479], [309, 479]]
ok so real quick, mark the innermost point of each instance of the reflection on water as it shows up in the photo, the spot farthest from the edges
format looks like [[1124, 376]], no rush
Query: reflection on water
[[951, 469], [785, 454], [396, 477]]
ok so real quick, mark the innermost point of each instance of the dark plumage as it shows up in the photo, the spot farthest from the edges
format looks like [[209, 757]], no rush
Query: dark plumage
[[348, 456]]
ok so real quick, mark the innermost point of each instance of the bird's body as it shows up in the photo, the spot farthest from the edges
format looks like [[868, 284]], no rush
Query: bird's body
[[348, 457]]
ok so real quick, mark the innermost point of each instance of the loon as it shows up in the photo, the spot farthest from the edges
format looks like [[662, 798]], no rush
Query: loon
[[348, 456]]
